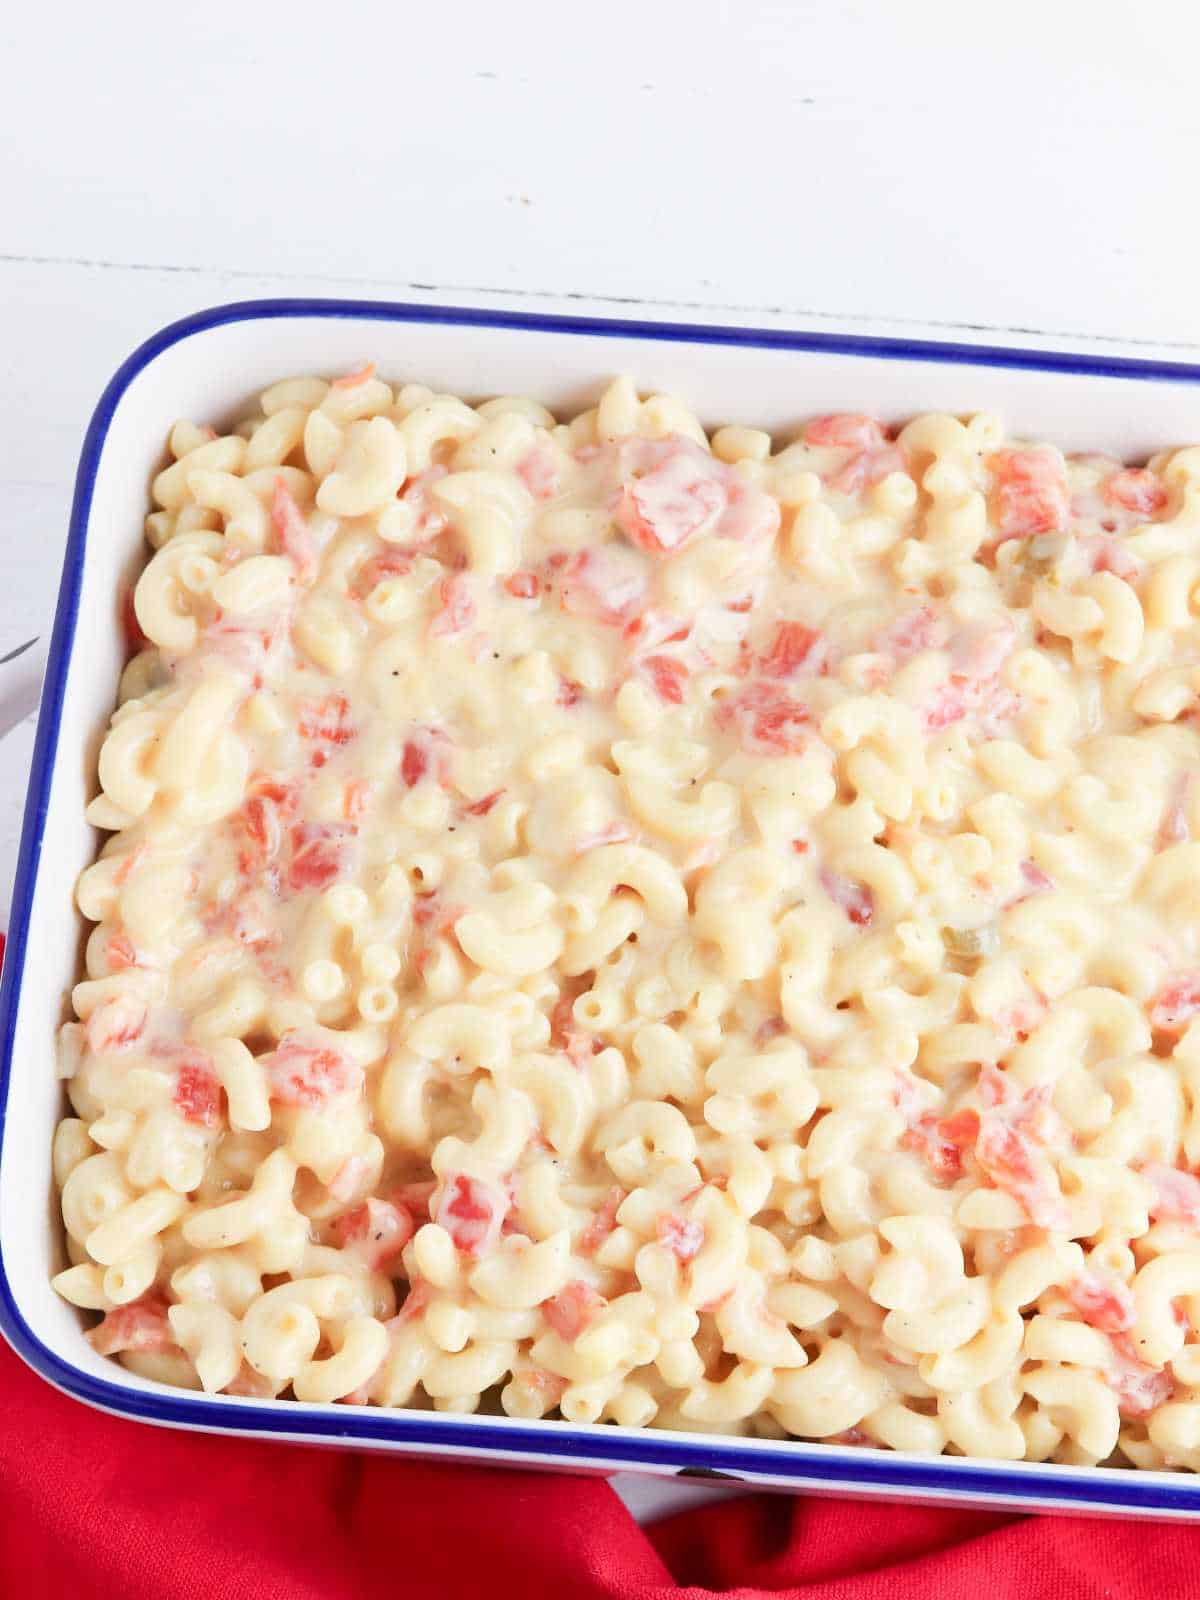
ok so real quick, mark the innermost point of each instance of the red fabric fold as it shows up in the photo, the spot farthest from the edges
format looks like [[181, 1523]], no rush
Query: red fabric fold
[[94, 1506]]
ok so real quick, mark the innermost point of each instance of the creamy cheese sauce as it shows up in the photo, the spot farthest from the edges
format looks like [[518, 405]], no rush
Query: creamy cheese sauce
[[607, 923]]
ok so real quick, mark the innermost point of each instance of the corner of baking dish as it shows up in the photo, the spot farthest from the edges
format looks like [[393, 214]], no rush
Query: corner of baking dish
[[599, 1448]]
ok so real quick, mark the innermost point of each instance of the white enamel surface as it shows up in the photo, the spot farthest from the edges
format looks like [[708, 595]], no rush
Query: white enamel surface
[[211, 373]]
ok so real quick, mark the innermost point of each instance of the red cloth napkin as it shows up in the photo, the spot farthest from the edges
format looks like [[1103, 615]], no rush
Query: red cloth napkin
[[93, 1506]]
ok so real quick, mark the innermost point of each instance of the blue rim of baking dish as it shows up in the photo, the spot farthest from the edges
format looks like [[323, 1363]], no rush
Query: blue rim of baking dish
[[599, 1447]]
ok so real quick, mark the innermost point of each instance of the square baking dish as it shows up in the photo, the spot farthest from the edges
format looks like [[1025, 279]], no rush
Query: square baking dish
[[208, 366]]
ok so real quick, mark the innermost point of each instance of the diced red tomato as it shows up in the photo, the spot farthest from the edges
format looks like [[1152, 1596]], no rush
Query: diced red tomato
[[602, 1224], [434, 914], [673, 489], [855, 899], [414, 1197], [247, 918], [116, 1024], [941, 1142], [928, 1137], [420, 1293], [251, 1384], [392, 562], [1110, 555], [284, 794], [514, 1224], [456, 607], [1103, 1302], [985, 698], [566, 1035], [794, 649], [1139, 1388], [351, 380], [320, 853], [427, 913], [249, 649], [683, 1236], [750, 515], [1176, 1003], [1029, 494], [429, 520], [871, 456], [995, 1086], [377, 1230], [480, 808], [197, 1091], [327, 720], [129, 864], [1037, 880], [948, 704], [569, 694], [1135, 489], [1035, 1115], [131, 628], [1176, 1194], [766, 720], [472, 1211], [605, 584], [1007, 1157], [979, 650], [572, 1309], [293, 538], [845, 430], [668, 676], [976, 655], [425, 752], [1030, 1111], [961, 1130], [141, 1325], [616, 832], [677, 495], [653, 628], [524, 585], [911, 633], [1003, 1152], [865, 468], [120, 953], [435, 918], [309, 1074], [538, 471]]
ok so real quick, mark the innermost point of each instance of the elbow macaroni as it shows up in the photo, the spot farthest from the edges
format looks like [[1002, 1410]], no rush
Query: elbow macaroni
[[709, 930]]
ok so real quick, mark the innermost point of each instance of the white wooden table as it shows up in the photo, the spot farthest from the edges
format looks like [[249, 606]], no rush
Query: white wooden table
[[1017, 174]]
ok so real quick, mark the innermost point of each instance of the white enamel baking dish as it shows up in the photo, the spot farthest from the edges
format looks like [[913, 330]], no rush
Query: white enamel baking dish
[[207, 367]]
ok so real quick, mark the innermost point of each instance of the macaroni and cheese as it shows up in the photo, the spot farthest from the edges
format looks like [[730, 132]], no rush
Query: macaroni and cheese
[[609, 923]]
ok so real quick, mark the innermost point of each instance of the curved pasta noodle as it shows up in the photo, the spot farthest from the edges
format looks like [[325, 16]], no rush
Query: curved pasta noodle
[[608, 926]]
